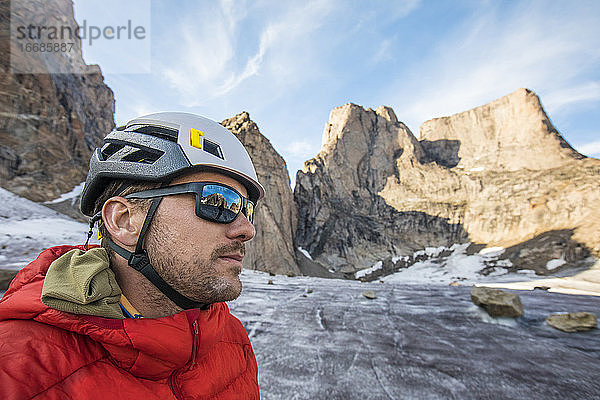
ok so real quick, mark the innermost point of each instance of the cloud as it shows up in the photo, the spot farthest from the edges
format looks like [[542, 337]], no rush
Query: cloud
[[383, 52], [228, 48], [592, 148], [202, 57], [303, 149], [498, 50], [401, 9], [561, 98]]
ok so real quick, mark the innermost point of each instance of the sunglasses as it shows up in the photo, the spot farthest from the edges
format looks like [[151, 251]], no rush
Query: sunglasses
[[215, 202]]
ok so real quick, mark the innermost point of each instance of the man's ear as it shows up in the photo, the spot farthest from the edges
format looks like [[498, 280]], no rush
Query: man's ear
[[122, 220]]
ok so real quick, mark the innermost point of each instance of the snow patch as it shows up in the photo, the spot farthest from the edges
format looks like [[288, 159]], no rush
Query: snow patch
[[27, 228], [66, 196], [46, 228], [476, 169], [305, 252], [398, 258], [555, 263], [367, 271], [492, 251], [430, 251], [458, 266]]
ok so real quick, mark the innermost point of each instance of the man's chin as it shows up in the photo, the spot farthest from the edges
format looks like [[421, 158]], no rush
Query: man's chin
[[224, 290]]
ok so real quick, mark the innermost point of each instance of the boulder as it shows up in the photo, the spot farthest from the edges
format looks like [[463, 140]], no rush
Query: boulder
[[369, 294], [573, 322], [497, 303]]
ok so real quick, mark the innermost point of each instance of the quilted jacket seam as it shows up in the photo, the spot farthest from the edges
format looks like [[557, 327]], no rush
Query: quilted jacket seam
[[68, 376], [240, 376]]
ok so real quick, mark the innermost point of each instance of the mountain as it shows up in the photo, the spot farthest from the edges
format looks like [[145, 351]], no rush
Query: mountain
[[508, 134], [49, 122], [496, 175]]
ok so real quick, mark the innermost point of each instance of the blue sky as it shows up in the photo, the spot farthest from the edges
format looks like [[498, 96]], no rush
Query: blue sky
[[288, 63]]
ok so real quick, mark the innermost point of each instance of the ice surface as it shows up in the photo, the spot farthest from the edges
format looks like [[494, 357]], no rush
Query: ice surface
[[27, 228], [412, 342]]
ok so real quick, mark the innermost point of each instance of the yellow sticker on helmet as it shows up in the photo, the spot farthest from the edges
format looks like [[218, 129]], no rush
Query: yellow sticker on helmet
[[195, 138]]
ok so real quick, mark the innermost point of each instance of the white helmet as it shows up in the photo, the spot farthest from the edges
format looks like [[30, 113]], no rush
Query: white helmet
[[157, 147]]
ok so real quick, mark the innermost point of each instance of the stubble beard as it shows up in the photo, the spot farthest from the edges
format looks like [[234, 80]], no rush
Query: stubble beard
[[199, 279]]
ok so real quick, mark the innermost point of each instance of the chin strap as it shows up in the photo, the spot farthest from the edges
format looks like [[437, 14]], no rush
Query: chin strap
[[92, 222], [140, 261]]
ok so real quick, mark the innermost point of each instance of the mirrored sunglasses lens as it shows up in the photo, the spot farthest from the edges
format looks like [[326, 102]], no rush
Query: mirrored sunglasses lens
[[219, 204], [250, 211]]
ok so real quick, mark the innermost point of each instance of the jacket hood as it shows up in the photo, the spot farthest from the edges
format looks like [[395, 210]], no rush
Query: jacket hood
[[81, 282], [73, 299]]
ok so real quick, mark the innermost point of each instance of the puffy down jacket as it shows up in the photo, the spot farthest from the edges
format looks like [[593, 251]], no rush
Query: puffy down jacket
[[50, 354]]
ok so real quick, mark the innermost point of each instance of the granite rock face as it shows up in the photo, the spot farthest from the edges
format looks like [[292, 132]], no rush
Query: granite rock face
[[538, 184], [343, 221], [499, 175], [49, 123], [508, 134], [272, 249]]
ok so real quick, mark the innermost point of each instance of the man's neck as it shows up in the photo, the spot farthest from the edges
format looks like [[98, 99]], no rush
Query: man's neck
[[142, 294]]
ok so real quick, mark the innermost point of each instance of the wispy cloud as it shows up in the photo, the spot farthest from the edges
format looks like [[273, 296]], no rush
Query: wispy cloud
[[496, 51], [561, 98], [217, 54], [591, 149], [303, 149], [201, 58]]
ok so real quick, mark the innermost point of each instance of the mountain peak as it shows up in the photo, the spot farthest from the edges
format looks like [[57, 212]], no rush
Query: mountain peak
[[509, 133]]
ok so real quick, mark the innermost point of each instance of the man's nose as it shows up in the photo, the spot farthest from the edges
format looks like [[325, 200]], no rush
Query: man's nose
[[241, 229]]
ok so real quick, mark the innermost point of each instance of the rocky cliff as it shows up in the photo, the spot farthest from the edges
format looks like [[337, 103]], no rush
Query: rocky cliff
[[49, 123], [499, 174], [272, 249], [508, 134], [343, 221]]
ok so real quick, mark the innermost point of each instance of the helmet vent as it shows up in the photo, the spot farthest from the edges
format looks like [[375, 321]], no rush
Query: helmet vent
[[111, 149], [213, 148], [142, 156], [156, 131]]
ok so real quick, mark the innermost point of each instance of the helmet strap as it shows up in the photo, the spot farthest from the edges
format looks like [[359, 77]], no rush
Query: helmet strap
[[92, 222], [140, 261]]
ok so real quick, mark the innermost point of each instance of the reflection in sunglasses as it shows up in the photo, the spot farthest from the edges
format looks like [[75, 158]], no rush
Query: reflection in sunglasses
[[219, 200]]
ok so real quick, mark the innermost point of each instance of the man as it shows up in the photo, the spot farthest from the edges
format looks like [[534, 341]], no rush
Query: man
[[143, 315]]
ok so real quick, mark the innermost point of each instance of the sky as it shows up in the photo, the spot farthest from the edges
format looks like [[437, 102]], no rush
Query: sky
[[290, 63]]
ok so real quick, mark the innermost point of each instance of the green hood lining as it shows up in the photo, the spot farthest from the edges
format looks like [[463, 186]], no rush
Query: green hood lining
[[81, 282]]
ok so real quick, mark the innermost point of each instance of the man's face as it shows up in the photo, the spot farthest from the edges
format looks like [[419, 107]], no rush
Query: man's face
[[198, 258]]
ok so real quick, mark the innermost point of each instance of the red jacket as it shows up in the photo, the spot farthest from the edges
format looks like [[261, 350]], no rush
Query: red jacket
[[51, 354]]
